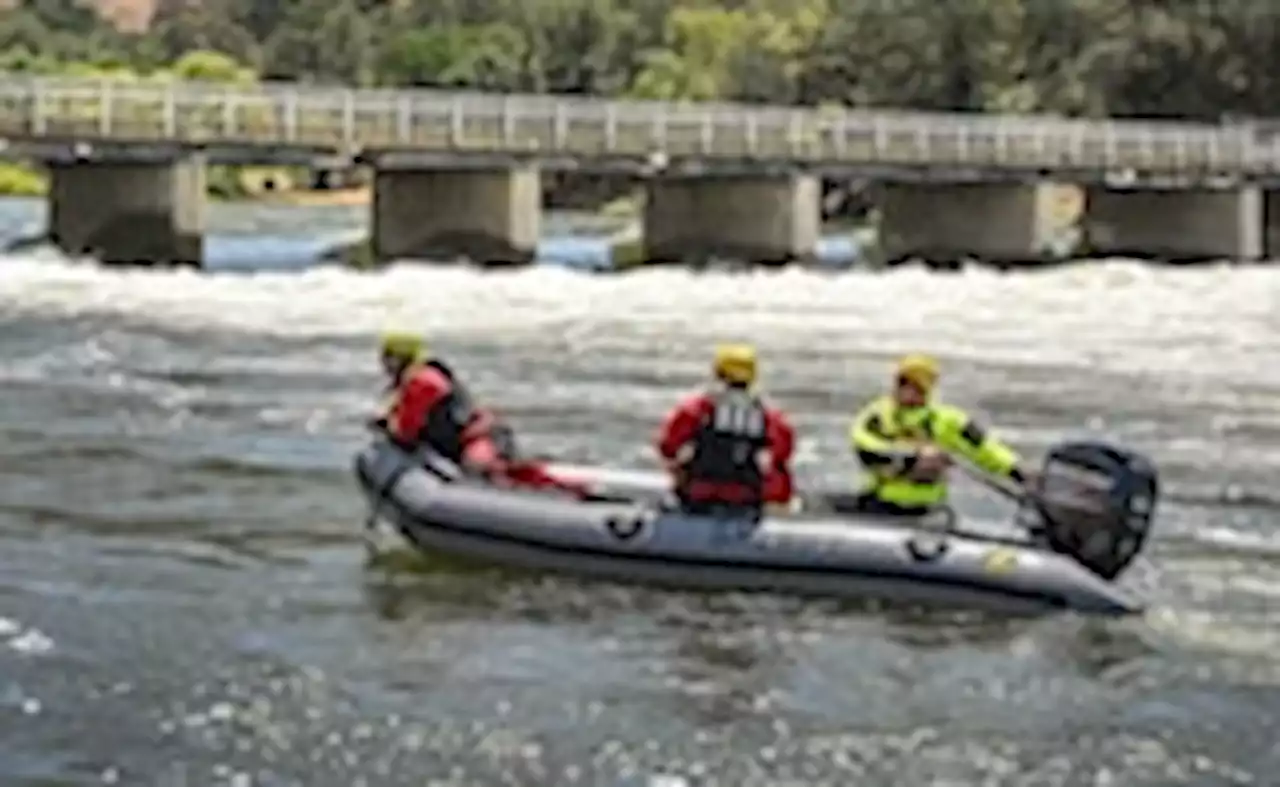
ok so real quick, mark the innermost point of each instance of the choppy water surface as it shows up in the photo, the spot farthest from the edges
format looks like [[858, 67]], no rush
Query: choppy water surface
[[184, 598]]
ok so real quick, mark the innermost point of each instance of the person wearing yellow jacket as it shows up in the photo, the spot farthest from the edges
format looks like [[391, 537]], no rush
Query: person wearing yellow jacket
[[906, 441]]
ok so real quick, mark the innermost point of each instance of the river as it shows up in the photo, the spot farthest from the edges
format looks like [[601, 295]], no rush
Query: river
[[184, 599]]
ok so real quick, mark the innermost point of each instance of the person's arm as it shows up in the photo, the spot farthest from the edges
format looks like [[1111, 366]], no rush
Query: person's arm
[[677, 429], [956, 432], [781, 435], [779, 488], [870, 441]]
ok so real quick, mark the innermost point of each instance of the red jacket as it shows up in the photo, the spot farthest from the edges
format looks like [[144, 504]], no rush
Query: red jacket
[[421, 391], [683, 422]]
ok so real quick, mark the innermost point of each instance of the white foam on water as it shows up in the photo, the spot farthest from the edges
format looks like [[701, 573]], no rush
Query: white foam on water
[[20, 639], [1123, 317]]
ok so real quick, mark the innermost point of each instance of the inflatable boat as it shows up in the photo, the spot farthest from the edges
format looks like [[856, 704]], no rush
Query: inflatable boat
[[626, 530]]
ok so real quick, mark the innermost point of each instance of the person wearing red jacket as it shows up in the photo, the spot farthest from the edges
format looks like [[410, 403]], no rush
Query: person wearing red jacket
[[725, 447], [429, 405]]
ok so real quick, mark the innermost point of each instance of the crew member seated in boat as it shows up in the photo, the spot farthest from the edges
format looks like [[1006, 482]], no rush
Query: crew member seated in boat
[[429, 405], [905, 441], [725, 447]]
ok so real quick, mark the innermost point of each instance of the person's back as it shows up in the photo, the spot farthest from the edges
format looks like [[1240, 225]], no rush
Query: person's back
[[725, 447]]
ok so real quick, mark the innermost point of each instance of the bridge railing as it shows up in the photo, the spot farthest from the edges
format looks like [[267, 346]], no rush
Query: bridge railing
[[352, 120]]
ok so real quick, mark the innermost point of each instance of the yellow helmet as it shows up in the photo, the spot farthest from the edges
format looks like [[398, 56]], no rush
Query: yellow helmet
[[735, 363], [920, 370], [403, 346]]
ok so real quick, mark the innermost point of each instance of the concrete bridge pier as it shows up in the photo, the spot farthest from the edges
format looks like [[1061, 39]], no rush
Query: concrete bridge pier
[[488, 214], [1187, 225], [1271, 224], [129, 212], [943, 224], [759, 219]]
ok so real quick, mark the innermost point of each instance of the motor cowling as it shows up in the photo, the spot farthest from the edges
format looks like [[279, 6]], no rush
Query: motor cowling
[[1096, 503]]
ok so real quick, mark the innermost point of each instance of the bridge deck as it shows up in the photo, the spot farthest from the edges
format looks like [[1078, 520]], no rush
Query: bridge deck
[[274, 120]]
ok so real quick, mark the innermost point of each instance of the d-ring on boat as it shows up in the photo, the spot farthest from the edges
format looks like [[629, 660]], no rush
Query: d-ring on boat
[[1094, 510]]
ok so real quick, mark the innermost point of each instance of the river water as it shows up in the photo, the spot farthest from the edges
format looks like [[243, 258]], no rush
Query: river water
[[184, 598]]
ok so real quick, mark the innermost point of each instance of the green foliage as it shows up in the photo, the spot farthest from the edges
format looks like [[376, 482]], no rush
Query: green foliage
[[206, 66], [1199, 58], [19, 181]]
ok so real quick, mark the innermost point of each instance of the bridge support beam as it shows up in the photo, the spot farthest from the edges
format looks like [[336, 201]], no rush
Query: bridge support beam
[[490, 215], [129, 213], [943, 224], [1175, 225], [765, 220]]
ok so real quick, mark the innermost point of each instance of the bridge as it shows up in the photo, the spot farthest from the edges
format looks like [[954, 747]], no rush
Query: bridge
[[457, 174]]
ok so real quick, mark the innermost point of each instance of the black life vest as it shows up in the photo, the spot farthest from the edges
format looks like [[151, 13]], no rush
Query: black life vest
[[728, 443], [449, 419]]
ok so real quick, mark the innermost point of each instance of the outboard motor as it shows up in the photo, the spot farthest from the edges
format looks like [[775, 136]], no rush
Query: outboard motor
[[1096, 503]]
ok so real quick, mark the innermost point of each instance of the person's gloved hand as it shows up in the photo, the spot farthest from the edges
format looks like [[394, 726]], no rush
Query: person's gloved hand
[[930, 463], [1029, 481]]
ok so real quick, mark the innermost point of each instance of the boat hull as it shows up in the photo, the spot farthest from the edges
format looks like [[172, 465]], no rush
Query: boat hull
[[640, 541]]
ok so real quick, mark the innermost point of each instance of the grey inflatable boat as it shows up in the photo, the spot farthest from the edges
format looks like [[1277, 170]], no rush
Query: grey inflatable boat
[[627, 533]]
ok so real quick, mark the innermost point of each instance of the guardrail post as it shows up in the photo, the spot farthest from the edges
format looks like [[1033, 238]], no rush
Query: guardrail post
[[456, 122], [1246, 150], [879, 139], [39, 119], [508, 122], [706, 134], [840, 128], [611, 127], [170, 111], [794, 135], [922, 142], [106, 98], [660, 121], [1148, 148], [404, 121], [348, 119], [559, 127], [230, 105], [753, 134], [290, 120]]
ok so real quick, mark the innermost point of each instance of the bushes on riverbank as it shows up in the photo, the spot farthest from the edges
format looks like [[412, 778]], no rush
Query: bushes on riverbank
[[17, 180]]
